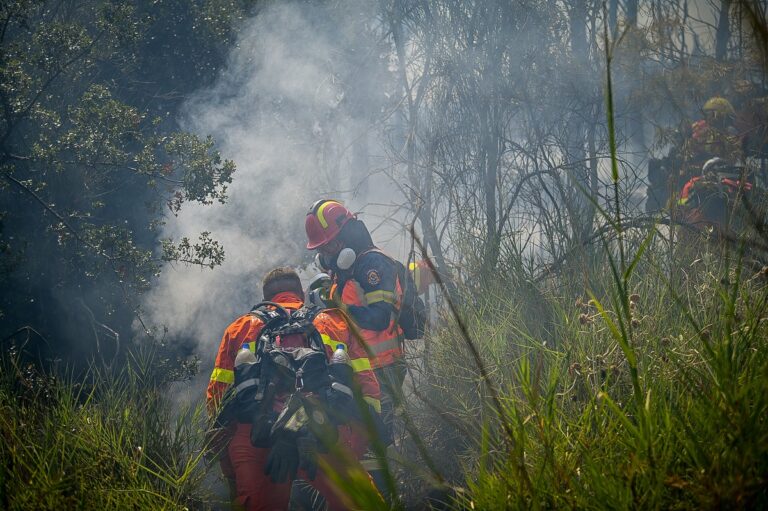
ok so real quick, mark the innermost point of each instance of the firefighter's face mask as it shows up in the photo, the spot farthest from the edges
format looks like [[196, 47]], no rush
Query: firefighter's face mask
[[330, 249], [335, 252]]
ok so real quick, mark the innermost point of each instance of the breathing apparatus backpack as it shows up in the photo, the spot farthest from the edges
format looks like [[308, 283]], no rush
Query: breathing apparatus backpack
[[301, 373]]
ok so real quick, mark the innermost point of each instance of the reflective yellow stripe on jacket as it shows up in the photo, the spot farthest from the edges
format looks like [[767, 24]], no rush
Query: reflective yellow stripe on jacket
[[389, 344], [358, 364], [380, 296], [223, 375], [375, 403], [333, 343]]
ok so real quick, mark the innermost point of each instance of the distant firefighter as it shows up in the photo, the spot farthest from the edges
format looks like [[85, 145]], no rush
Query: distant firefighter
[[714, 136], [422, 275], [715, 198]]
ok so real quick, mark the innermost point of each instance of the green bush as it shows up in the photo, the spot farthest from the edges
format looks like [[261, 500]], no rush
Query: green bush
[[112, 443]]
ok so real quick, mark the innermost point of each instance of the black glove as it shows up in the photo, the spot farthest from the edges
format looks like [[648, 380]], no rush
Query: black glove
[[283, 460], [307, 448], [262, 426], [341, 405], [216, 442]]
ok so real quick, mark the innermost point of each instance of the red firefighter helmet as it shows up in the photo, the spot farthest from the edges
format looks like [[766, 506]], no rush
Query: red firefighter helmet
[[324, 222]]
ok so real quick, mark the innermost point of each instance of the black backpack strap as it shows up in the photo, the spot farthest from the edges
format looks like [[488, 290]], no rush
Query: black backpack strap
[[302, 322], [306, 313], [260, 314], [279, 321], [269, 311], [274, 316]]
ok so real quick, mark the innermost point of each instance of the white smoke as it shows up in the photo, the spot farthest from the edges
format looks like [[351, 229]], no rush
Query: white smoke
[[281, 110]]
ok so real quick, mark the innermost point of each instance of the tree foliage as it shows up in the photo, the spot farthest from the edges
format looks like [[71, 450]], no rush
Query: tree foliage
[[92, 159]]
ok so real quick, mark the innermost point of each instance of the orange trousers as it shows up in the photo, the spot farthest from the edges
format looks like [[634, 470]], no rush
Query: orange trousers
[[257, 492]]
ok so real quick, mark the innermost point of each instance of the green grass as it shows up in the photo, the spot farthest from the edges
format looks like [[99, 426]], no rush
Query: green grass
[[642, 383], [672, 417], [649, 391], [112, 443]]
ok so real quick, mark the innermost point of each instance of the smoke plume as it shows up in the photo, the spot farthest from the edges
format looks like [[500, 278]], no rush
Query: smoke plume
[[291, 108]]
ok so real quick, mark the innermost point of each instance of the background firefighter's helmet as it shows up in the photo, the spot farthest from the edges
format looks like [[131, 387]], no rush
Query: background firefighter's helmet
[[324, 222], [714, 164], [719, 106]]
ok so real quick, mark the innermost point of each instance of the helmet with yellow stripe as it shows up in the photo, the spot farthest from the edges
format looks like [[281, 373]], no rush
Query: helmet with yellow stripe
[[324, 222], [719, 106]]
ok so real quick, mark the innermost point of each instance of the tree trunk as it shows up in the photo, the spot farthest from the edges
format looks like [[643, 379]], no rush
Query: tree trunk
[[631, 12], [613, 15], [575, 138], [723, 34]]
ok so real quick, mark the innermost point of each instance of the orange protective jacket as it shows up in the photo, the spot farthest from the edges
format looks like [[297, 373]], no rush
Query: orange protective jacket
[[733, 185], [332, 328], [373, 292], [385, 346]]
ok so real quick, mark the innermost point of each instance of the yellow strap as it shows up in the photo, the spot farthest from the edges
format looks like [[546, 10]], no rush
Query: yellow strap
[[380, 296], [223, 375], [375, 403]]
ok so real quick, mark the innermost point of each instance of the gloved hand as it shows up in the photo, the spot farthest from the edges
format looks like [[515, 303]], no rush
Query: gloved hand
[[307, 447], [341, 403], [262, 426], [283, 460], [216, 441]]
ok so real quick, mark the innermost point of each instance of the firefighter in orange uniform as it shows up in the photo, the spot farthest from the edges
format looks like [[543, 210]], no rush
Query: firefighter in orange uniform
[[708, 199], [255, 489], [368, 286]]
